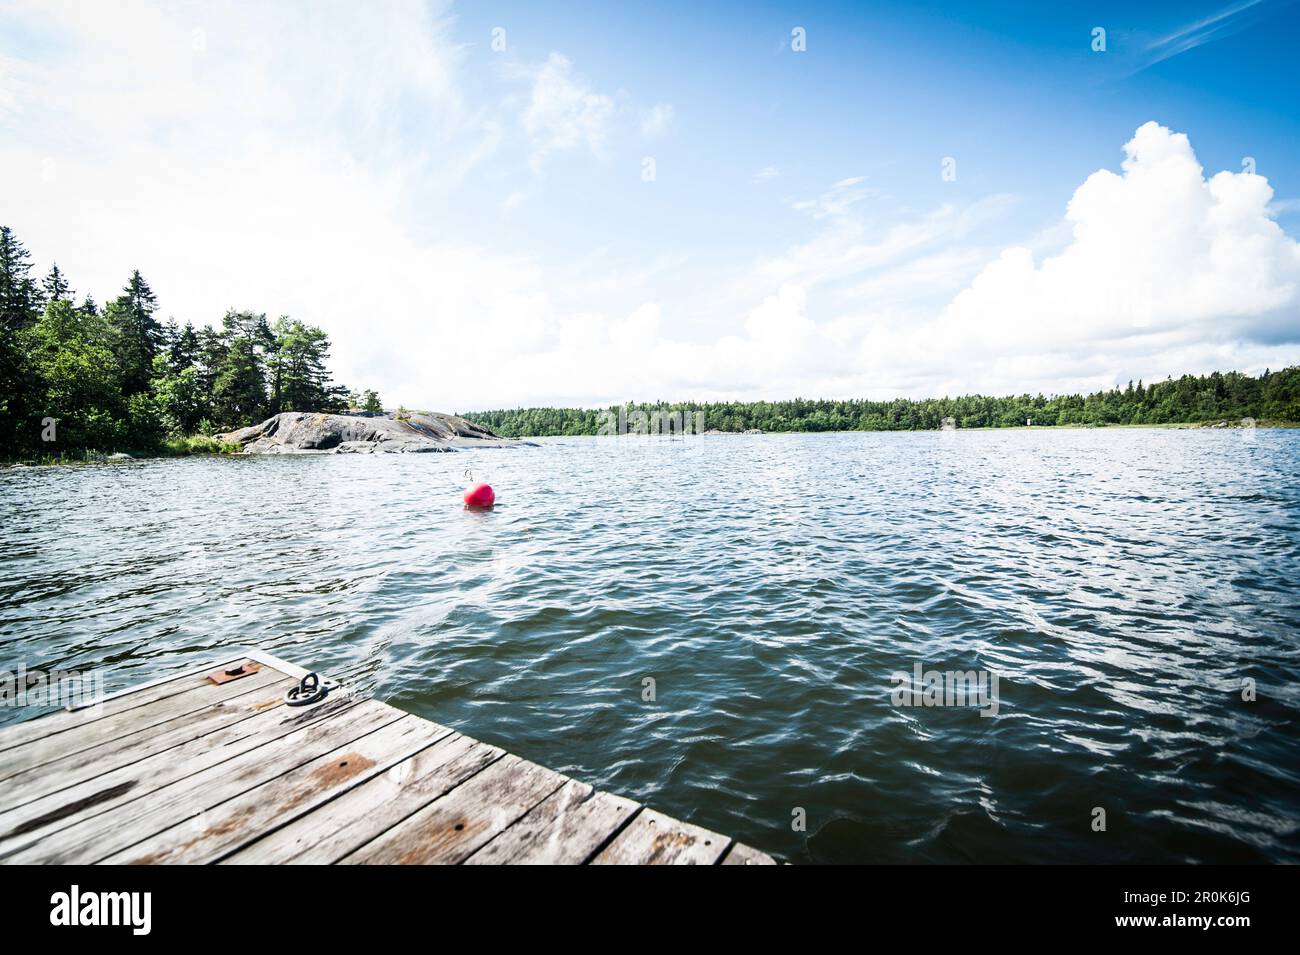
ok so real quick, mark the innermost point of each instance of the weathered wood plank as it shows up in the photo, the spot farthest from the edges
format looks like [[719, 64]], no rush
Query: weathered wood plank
[[655, 839], [365, 812], [36, 819], [96, 837], [239, 821], [96, 733], [742, 854], [69, 771], [64, 720], [566, 828], [451, 828], [188, 771]]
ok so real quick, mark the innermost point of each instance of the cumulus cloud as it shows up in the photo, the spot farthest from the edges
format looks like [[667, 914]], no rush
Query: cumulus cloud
[[234, 178], [1157, 251], [1159, 270]]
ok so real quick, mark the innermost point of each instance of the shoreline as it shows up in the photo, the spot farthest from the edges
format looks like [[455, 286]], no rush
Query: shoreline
[[199, 446]]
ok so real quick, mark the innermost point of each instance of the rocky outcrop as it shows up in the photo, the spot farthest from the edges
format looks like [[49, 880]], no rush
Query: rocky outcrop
[[301, 432]]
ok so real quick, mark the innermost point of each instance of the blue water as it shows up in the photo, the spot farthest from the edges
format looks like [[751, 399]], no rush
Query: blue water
[[1122, 584]]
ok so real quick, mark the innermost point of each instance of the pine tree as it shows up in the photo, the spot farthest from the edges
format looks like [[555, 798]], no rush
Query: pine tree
[[185, 348], [19, 296], [299, 379], [237, 364], [139, 336], [55, 286], [239, 392], [19, 309]]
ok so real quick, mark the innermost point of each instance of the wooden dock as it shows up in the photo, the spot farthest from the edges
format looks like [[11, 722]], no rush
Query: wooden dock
[[192, 770]]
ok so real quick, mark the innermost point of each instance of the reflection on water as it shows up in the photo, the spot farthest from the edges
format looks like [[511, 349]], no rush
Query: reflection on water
[[1121, 583]]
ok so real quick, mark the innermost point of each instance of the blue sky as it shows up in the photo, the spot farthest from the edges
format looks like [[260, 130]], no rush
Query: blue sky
[[476, 223]]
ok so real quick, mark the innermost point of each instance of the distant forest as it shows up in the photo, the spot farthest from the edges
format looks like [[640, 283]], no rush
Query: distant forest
[[76, 376], [1231, 396], [79, 377]]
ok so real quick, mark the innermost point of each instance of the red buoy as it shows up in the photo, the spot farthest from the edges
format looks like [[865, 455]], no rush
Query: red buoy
[[480, 495]]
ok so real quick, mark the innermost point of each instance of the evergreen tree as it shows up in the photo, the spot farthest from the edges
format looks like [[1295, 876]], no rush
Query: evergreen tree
[[19, 309], [56, 285], [139, 336], [20, 299], [239, 392], [185, 348], [299, 378], [239, 386]]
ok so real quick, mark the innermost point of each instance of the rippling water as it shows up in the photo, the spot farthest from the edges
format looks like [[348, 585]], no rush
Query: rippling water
[[1121, 583]]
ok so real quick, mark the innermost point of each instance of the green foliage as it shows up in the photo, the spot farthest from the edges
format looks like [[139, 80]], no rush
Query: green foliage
[[56, 285], [183, 403], [1220, 396], [78, 381], [239, 395], [372, 402], [20, 302], [300, 380], [138, 336], [118, 378], [198, 444]]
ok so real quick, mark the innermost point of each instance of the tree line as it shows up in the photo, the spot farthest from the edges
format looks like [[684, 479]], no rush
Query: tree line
[[1231, 396], [77, 376]]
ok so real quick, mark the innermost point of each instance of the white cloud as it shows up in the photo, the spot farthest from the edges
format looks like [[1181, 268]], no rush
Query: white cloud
[[237, 178], [1162, 271], [1157, 250], [765, 174], [850, 246], [564, 112], [837, 200], [656, 120], [1189, 36]]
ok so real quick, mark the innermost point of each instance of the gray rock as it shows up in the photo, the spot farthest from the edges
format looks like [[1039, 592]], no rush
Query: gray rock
[[302, 432]]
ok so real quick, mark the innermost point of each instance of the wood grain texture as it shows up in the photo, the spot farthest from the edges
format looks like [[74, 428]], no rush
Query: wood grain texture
[[450, 829], [132, 723], [566, 828], [80, 767], [742, 854], [35, 820], [96, 837], [64, 720], [187, 771], [235, 822], [655, 839], [372, 808]]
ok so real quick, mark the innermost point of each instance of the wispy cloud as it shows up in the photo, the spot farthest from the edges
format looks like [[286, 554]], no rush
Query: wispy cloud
[[657, 119], [1223, 23], [564, 111], [837, 200]]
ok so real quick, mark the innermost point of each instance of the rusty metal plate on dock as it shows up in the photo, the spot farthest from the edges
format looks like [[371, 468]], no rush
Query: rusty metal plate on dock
[[227, 674]]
